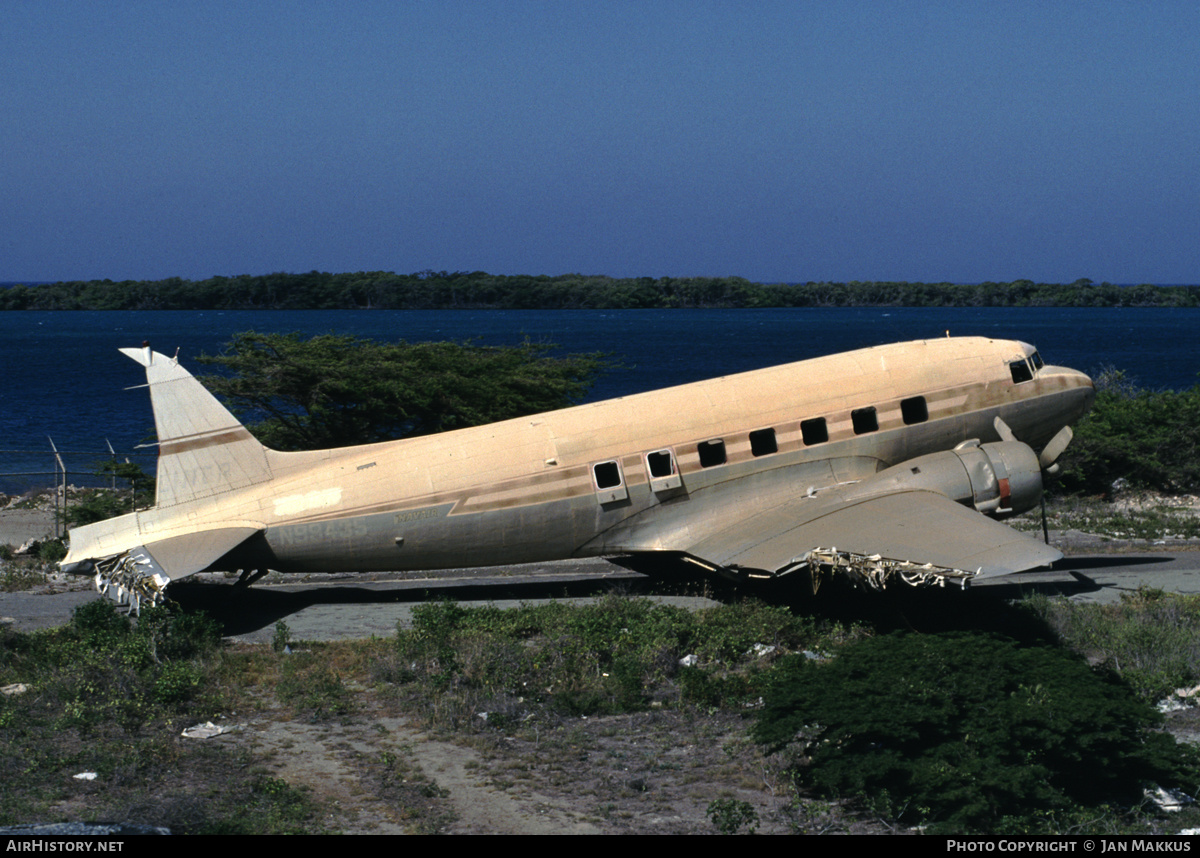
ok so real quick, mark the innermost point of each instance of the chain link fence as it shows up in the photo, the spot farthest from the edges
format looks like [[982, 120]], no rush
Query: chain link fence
[[50, 478]]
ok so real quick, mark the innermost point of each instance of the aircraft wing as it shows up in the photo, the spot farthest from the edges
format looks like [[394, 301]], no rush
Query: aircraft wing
[[913, 527]]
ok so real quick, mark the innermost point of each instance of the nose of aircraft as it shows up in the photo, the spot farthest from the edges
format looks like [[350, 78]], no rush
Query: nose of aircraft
[[1077, 387]]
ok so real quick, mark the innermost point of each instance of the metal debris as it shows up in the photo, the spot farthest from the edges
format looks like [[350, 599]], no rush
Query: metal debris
[[875, 572], [29, 547], [130, 584], [1180, 698], [1169, 800], [208, 730]]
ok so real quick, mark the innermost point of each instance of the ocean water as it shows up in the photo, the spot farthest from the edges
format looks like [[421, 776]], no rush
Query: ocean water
[[61, 376]]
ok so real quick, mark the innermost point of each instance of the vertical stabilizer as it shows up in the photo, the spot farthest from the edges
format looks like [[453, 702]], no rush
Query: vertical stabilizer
[[202, 449]]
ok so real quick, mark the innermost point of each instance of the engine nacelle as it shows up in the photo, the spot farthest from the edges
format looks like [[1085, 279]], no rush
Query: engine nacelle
[[999, 479]]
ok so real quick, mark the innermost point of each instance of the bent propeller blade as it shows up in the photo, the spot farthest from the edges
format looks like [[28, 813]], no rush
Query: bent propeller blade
[[1054, 449]]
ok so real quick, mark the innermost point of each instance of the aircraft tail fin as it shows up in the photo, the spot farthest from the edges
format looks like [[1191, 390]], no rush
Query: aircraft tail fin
[[202, 449]]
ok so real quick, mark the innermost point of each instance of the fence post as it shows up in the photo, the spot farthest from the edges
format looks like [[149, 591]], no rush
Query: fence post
[[59, 466]]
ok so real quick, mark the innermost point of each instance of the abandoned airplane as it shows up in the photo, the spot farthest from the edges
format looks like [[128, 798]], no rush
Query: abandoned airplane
[[887, 463]]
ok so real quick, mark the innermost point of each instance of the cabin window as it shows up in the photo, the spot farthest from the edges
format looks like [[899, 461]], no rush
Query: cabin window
[[711, 453], [1020, 371], [660, 463], [864, 420], [608, 475], [610, 482], [762, 442], [914, 410], [664, 475], [814, 431]]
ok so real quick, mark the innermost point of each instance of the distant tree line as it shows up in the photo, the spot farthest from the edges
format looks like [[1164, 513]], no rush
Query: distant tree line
[[443, 290]]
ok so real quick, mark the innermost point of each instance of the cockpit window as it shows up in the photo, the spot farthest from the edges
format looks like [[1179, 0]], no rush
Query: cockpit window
[[1036, 360], [1020, 371]]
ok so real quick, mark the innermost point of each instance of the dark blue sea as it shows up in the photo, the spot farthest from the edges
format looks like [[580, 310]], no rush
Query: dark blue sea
[[62, 378]]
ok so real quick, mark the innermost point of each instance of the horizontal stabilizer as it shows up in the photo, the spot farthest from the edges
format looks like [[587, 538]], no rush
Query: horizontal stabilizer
[[179, 556]]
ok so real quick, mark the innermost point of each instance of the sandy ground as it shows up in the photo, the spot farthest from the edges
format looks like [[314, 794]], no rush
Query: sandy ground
[[18, 526]]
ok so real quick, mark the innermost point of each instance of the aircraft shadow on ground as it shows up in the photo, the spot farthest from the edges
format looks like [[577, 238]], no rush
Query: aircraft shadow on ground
[[246, 610], [243, 611], [1106, 560]]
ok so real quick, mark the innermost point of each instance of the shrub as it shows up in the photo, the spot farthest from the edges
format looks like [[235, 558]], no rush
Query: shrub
[[1150, 439], [51, 551], [282, 639], [1152, 638], [100, 504], [730, 816], [613, 656], [965, 731], [102, 668]]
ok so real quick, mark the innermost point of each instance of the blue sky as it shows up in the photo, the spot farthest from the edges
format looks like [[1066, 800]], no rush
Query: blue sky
[[962, 141]]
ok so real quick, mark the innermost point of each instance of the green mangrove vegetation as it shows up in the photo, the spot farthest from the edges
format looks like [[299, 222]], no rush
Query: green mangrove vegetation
[[444, 290], [1135, 438]]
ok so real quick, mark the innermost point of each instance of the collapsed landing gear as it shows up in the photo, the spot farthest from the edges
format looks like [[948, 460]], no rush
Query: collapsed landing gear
[[249, 576]]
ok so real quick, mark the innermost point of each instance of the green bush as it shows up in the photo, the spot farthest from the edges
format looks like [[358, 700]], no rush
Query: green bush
[[730, 816], [334, 390], [282, 639], [1149, 439], [51, 551], [966, 731], [101, 667], [310, 684], [98, 622]]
